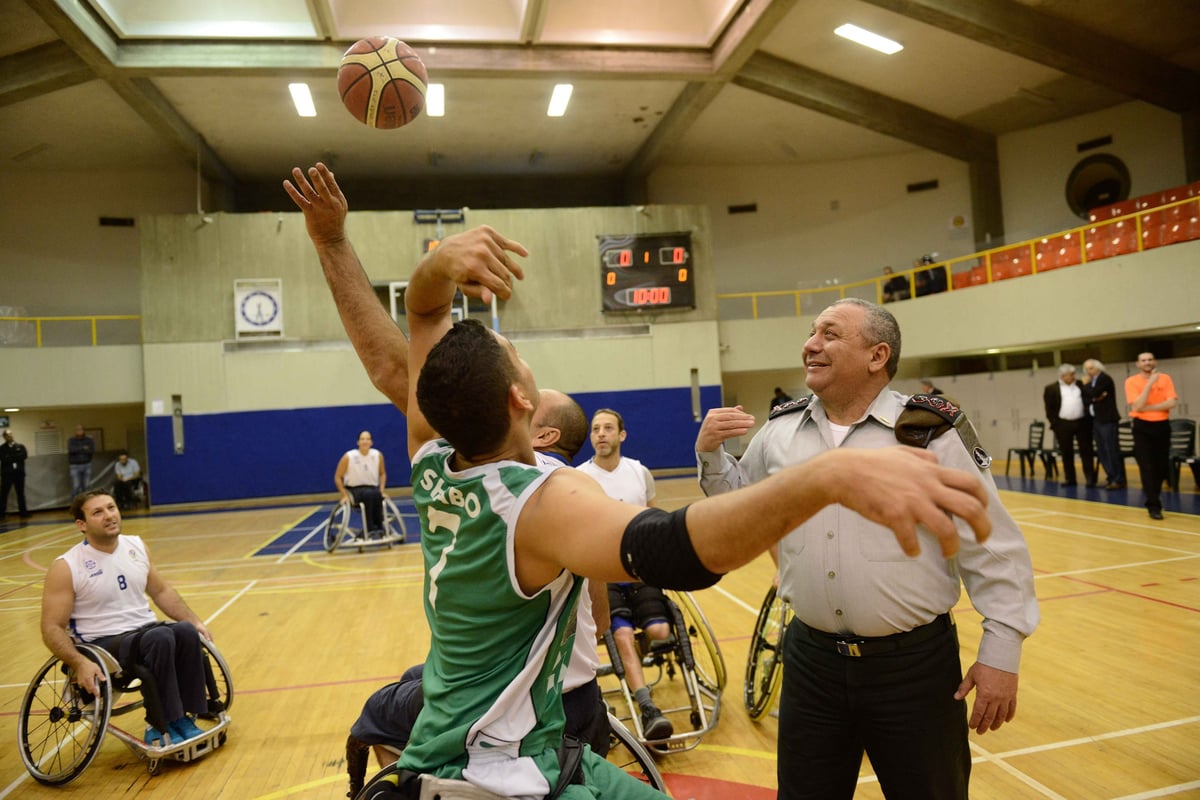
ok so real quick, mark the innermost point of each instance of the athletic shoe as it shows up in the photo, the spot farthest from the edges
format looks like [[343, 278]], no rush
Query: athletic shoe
[[183, 728], [153, 736], [654, 724]]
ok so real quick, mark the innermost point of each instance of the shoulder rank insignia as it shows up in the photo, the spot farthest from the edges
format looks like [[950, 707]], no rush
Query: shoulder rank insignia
[[789, 407], [926, 417]]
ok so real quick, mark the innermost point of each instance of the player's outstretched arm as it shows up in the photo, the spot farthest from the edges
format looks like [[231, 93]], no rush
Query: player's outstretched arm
[[567, 525], [380, 345], [479, 263]]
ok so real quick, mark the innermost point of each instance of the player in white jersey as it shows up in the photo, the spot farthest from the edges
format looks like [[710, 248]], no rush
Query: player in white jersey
[[361, 477], [633, 604], [96, 593]]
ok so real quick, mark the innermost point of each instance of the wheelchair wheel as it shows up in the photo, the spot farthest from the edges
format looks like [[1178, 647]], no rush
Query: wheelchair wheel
[[394, 529], [709, 662], [336, 527], [218, 681], [629, 754], [764, 664], [61, 725]]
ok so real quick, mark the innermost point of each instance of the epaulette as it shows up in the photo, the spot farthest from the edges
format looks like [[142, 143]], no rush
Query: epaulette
[[928, 416], [789, 407]]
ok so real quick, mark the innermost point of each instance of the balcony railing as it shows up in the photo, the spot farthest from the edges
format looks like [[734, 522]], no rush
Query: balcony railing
[[75, 331]]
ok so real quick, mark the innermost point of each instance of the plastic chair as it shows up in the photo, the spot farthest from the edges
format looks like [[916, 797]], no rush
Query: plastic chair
[[1183, 447], [1033, 450]]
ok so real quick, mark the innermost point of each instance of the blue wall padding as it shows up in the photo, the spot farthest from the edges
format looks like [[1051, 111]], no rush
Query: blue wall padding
[[235, 455]]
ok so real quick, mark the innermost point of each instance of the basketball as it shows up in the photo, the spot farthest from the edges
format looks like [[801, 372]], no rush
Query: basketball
[[382, 82]]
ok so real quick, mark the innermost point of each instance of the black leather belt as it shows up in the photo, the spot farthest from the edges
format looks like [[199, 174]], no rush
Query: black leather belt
[[861, 646]]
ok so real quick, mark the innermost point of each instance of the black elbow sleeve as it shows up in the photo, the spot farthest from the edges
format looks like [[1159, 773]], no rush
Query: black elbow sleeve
[[657, 551]]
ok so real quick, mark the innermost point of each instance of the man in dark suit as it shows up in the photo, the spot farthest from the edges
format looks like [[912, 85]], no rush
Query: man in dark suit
[[1067, 410], [1105, 417]]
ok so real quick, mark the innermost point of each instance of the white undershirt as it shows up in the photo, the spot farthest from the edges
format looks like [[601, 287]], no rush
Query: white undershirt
[[839, 433]]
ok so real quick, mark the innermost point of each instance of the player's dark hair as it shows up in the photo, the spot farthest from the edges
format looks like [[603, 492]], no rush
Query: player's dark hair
[[463, 389], [82, 498], [620, 419]]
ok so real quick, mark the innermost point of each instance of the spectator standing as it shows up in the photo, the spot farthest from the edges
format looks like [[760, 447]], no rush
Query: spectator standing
[[895, 288], [12, 473], [1151, 396], [780, 397], [1105, 418], [80, 449], [1066, 409]]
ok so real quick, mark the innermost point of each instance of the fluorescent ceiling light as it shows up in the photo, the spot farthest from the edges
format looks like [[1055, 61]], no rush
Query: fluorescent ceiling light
[[303, 99], [868, 39], [11, 410], [435, 100], [559, 100]]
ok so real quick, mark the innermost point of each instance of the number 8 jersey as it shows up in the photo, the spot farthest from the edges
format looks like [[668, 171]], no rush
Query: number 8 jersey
[[110, 588]]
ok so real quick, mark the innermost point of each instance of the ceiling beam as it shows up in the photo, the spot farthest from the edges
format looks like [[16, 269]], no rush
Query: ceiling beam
[[534, 21], [41, 70], [321, 16], [814, 90], [1016, 28], [739, 41], [308, 59], [92, 43]]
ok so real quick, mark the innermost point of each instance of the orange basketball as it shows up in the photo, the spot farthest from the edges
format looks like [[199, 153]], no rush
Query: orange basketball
[[382, 82]]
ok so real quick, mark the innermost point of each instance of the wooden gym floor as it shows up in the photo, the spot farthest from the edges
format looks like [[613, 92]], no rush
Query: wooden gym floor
[[1109, 703]]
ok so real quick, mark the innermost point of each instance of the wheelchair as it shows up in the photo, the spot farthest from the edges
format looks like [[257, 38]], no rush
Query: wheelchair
[[340, 532], [764, 663], [624, 751], [691, 653], [61, 725]]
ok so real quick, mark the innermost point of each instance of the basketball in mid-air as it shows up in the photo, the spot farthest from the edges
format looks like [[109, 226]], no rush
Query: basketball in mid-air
[[382, 82]]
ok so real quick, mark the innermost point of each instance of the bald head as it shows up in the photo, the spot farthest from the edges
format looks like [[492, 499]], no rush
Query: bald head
[[559, 424]]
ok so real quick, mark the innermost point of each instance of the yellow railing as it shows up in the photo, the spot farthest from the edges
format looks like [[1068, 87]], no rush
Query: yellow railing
[[1091, 242], [40, 322]]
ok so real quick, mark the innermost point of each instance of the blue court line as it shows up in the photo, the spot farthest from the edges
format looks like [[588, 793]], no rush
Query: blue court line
[[288, 539]]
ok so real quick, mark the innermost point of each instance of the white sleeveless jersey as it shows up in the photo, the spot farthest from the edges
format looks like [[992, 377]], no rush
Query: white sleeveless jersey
[[110, 588], [630, 482], [361, 470]]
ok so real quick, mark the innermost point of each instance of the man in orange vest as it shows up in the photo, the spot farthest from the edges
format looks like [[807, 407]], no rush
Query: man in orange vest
[[1151, 396]]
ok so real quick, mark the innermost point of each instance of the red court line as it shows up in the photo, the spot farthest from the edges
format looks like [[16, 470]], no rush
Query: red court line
[[1134, 594], [19, 588]]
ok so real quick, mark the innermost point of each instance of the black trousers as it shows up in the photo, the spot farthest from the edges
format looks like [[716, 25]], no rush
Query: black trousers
[[1068, 432], [371, 500], [174, 656], [897, 707], [17, 482], [1152, 451]]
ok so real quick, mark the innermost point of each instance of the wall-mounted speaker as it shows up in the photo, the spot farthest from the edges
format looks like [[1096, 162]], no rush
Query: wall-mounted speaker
[[1097, 181]]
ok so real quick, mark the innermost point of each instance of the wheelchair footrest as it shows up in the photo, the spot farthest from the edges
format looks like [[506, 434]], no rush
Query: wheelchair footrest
[[187, 750]]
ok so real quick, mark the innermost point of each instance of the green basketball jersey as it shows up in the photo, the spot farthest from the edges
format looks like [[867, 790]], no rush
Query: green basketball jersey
[[493, 679]]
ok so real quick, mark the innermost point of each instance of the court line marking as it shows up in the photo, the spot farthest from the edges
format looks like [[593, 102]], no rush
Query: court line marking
[[1004, 766], [285, 529], [1112, 539], [1163, 792]]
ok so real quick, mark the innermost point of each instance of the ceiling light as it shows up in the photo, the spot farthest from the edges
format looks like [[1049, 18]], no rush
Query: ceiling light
[[11, 410], [435, 100], [868, 39], [302, 97], [559, 100]]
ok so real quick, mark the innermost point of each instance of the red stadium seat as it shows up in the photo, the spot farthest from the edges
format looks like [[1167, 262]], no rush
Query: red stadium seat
[[1011, 263], [1058, 251]]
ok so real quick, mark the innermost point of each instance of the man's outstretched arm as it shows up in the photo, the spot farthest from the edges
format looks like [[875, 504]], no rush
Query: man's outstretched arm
[[380, 345], [477, 262]]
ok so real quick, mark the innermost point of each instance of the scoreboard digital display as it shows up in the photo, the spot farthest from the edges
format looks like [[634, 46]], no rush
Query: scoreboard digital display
[[643, 272]]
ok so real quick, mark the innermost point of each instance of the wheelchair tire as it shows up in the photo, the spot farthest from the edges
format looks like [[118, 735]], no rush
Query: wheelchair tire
[[218, 680], [709, 662], [393, 523], [335, 528], [764, 663], [61, 726], [629, 754]]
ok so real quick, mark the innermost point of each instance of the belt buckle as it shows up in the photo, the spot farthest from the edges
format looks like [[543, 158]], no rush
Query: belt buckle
[[848, 649]]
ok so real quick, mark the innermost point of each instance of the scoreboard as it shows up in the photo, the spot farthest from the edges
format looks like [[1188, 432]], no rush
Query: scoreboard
[[643, 272]]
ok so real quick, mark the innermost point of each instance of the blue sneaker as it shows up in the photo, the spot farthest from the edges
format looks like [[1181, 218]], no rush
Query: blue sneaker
[[183, 728], [153, 736]]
